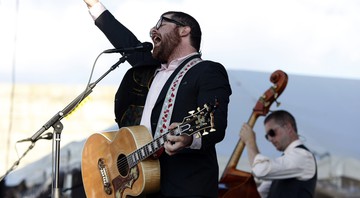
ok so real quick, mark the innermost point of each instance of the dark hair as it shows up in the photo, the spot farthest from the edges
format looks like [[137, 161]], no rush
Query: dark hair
[[282, 117], [186, 19]]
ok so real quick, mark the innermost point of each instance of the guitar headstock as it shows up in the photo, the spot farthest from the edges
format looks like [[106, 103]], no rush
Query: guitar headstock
[[200, 121]]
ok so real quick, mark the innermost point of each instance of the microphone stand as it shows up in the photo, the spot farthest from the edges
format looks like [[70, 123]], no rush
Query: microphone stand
[[58, 126]]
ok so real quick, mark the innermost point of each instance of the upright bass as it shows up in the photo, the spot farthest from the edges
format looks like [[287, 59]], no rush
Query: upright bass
[[237, 183]]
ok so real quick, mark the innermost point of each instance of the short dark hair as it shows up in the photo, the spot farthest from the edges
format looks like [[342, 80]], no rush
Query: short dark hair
[[282, 117], [186, 19]]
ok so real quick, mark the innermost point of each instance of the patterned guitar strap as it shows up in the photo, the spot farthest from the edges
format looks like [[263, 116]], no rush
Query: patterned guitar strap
[[170, 97]]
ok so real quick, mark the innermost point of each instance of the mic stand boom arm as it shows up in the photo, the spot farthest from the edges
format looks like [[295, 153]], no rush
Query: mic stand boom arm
[[57, 125], [61, 114]]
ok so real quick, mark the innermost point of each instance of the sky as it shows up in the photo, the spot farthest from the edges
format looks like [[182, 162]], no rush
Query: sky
[[48, 41]]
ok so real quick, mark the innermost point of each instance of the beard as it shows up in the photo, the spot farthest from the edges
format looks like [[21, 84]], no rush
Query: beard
[[168, 43]]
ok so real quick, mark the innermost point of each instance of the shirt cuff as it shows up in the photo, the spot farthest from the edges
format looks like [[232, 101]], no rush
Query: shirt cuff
[[196, 143], [96, 10], [259, 159], [261, 166]]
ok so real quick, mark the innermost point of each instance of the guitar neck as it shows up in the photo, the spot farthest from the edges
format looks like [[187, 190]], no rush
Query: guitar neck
[[191, 124], [147, 150]]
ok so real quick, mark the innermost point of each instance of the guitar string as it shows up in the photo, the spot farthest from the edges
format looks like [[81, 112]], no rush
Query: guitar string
[[125, 163], [129, 160]]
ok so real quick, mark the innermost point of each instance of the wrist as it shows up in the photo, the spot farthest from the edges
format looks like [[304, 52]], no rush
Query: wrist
[[91, 3]]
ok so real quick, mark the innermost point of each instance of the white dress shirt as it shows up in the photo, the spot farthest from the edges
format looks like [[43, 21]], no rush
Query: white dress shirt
[[294, 163]]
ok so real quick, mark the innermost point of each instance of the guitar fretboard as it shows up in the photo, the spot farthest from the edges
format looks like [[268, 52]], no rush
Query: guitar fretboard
[[146, 151], [190, 125]]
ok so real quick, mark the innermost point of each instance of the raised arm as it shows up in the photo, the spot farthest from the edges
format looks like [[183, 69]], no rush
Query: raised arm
[[118, 35]]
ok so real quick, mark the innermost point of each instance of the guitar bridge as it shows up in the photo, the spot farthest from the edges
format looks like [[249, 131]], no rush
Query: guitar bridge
[[104, 176]]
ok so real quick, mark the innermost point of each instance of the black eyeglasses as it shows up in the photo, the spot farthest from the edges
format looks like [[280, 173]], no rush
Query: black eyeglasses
[[162, 18], [270, 133]]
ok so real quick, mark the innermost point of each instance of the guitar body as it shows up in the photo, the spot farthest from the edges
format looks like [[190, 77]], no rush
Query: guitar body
[[105, 170], [118, 163]]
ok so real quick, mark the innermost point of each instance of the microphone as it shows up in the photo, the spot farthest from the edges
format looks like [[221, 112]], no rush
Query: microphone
[[142, 47], [47, 136]]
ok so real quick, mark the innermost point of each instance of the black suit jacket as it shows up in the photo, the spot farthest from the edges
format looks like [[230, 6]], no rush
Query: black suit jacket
[[191, 172]]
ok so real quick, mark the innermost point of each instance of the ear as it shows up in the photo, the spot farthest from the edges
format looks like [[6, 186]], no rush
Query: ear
[[184, 31], [287, 127]]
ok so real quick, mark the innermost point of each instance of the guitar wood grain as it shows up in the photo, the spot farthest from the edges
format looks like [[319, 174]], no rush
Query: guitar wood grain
[[108, 147]]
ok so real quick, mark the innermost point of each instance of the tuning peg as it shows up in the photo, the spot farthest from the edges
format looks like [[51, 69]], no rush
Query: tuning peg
[[197, 135], [191, 112], [205, 133], [206, 106], [277, 103]]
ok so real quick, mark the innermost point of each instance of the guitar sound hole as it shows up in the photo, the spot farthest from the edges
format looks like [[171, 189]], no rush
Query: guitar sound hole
[[122, 165]]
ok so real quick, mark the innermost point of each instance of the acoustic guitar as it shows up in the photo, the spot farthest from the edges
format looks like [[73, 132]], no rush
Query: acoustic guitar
[[118, 163]]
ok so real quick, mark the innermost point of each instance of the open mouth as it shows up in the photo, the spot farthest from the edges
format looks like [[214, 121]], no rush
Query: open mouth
[[156, 39]]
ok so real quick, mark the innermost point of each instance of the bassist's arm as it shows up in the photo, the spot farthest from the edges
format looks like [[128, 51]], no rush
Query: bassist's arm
[[248, 136]]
